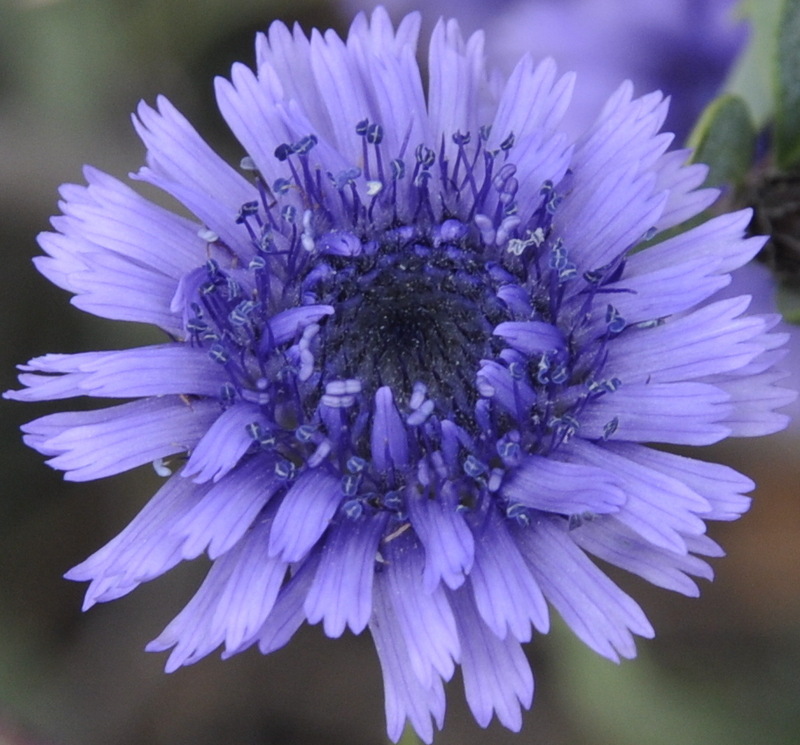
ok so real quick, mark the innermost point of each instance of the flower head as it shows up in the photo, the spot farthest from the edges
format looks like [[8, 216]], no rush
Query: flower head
[[413, 357]]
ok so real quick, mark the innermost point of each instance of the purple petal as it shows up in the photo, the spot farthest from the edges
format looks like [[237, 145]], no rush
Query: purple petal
[[181, 163], [515, 395], [684, 413], [448, 542], [90, 445], [287, 615], [659, 508], [507, 596], [218, 520], [389, 443], [497, 676], [720, 485], [599, 613], [531, 337], [566, 488], [288, 324], [226, 441], [404, 695], [145, 371], [341, 593], [304, 514], [425, 618], [145, 549], [614, 542]]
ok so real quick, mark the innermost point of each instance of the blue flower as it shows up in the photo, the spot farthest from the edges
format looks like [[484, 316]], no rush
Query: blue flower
[[413, 359]]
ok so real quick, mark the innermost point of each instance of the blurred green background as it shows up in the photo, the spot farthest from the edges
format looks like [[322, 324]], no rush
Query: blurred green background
[[722, 669]]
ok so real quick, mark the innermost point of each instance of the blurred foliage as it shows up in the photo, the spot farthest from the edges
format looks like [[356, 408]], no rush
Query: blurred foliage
[[787, 98], [750, 138], [725, 139]]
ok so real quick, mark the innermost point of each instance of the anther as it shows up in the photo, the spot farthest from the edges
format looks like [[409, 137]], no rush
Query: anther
[[519, 513], [285, 469], [473, 467], [614, 320], [609, 428]]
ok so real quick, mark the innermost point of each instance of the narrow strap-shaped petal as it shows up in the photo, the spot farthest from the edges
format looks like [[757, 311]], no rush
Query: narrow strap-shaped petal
[[722, 487], [684, 413], [533, 98], [143, 550], [514, 394], [507, 596], [720, 242], [531, 337], [714, 339], [497, 677], [90, 445], [181, 163], [230, 605], [754, 400], [600, 222], [115, 218], [563, 487], [145, 371], [304, 514], [659, 508], [288, 613], [425, 619], [252, 588], [389, 442], [341, 593], [448, 542], [457, 82], [221, 517], [225, 442], [614, 542], [108, 285], [405, 697], [599, 613], [188, 634]]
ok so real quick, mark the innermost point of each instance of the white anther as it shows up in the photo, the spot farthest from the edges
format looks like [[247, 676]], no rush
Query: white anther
[[306, 365], [495, 479], [486, 226], [418, 395], [209, 236], [423, 473], [437, 459], [308, 228], [419, 416], [506, 226], [337, 402], [307, 238], [309, 332], [341, 387], [485, 388], [373, 188], [160, 467]]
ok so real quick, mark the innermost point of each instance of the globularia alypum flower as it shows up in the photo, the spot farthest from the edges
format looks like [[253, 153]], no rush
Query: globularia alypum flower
[[413, 357]]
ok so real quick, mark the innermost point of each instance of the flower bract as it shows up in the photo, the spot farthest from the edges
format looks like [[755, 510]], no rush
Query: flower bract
[[417, 347]]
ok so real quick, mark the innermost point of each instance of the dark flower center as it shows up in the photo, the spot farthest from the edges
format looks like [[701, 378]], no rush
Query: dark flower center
[[408, 314]]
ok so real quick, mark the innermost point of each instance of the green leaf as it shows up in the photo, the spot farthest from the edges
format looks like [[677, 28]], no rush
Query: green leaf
[[787, 111], [725, 139], [753, 74], [788, 302]]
